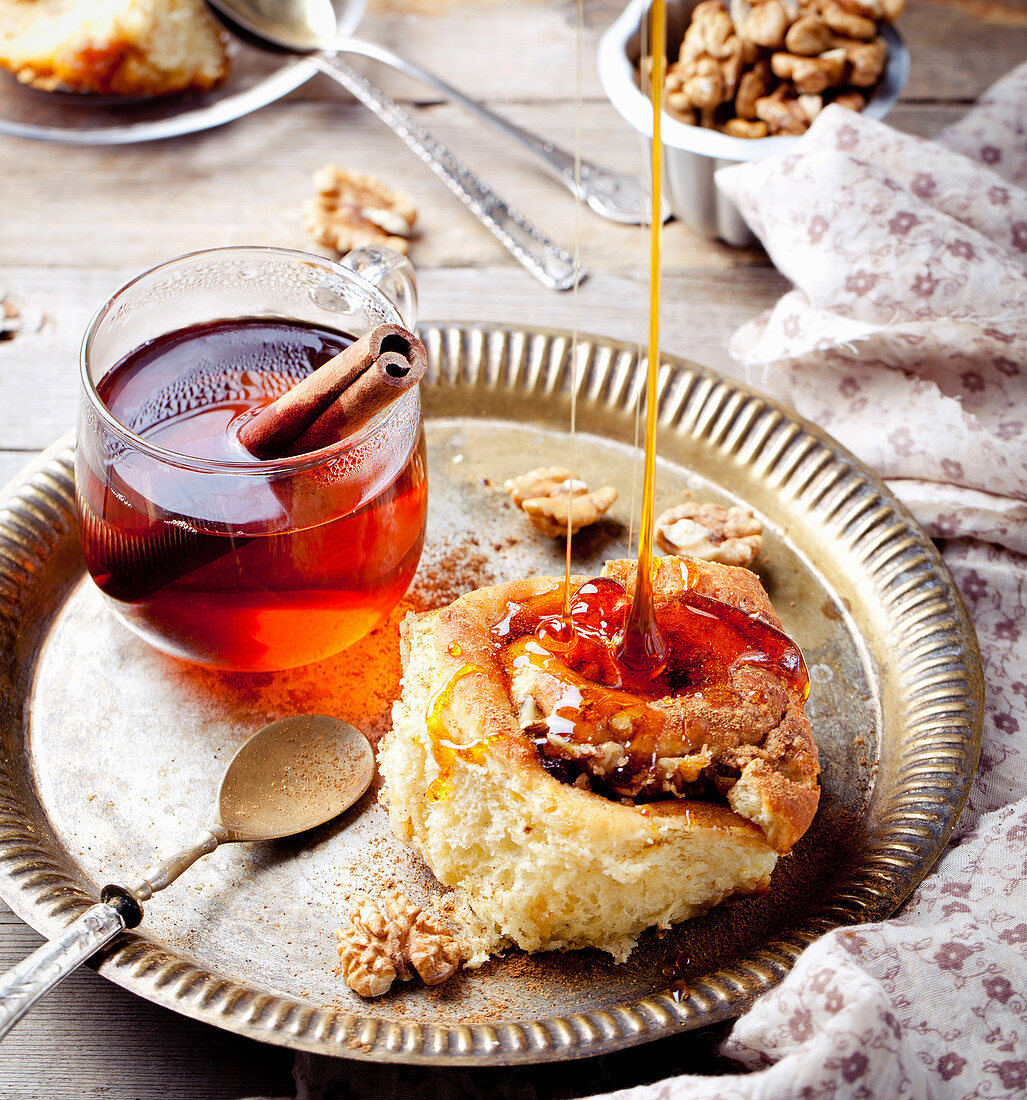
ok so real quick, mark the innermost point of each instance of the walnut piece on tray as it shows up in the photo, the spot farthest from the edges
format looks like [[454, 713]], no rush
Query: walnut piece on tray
[[393, 939], [731, 536], [355, 208], [556, 501]]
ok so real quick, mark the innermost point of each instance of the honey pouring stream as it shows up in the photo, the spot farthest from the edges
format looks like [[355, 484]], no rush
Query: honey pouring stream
[[642, 648]]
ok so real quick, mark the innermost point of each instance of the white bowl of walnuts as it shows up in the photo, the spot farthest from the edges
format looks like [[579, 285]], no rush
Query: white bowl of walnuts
[[745, 78]]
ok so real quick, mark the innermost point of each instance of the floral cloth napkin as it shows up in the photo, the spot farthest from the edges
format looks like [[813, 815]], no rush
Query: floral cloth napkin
[[906, 338]]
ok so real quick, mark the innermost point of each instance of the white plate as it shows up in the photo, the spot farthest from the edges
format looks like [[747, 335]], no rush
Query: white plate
[[256, 79]]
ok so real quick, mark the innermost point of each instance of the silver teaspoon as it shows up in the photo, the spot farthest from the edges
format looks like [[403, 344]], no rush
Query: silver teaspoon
[[308, 26], [553, 266], [288, 777]]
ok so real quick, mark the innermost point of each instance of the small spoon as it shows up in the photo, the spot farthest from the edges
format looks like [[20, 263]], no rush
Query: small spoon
[[288, 777], [309, 26]]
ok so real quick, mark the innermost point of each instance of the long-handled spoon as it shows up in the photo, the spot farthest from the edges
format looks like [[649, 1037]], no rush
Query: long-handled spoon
[[288, 777], [311, 26], [553, 266]]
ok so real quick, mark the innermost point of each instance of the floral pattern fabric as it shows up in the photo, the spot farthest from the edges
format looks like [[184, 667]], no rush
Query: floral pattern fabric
[[906, 338]]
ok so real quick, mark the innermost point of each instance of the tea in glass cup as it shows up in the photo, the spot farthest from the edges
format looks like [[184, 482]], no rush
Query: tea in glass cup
[[203, 550]]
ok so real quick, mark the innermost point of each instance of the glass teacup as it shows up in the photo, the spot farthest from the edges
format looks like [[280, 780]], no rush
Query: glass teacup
[[202, 550]]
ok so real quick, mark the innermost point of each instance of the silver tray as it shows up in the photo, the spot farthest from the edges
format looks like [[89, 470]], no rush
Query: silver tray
[[109, 752]]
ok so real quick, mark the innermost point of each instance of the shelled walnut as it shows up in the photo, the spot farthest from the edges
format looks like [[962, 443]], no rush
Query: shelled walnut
[[753, 68], [781, 114], [867, 60], [731, 536], [393, 939], [809, 75], [763, 24], [808, 36], [356, 208], [556, 501]]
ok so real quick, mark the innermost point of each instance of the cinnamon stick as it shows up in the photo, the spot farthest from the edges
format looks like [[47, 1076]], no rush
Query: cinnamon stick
[[340, 397]]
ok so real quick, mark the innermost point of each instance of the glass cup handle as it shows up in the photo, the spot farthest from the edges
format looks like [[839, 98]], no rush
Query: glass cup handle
[[391, 273]]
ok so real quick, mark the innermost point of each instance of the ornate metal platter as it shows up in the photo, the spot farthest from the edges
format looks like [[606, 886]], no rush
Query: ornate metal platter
[[109, 753]]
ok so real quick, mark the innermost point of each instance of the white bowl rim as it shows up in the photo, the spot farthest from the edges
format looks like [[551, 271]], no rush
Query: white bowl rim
[[617, 76]]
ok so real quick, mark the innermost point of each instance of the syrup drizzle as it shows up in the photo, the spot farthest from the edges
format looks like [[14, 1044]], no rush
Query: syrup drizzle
[[643, 648], [707, 640], [445, 751], [592, 697], [678, 972], [578, 38]]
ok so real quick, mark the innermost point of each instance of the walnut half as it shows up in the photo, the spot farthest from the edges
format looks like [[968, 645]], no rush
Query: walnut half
[[731, 536], [390, 940], [556, 501], [355, 208]]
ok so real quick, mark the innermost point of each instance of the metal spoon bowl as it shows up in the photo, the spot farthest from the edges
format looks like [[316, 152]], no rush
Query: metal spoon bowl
[[309, 26], [293, 775], [288, 777]]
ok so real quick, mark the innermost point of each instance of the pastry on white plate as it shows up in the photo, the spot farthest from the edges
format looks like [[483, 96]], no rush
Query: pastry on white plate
[[113, 47]]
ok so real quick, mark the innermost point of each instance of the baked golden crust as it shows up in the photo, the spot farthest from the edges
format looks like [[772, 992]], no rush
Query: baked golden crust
[[545, 863], [112, 47]]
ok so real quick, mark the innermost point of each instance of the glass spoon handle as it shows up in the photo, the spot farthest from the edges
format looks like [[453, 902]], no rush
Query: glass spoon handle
[[550, 264]]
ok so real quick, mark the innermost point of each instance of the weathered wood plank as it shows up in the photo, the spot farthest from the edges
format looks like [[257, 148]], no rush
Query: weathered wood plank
[[247, 184], [89, 1039], [13, 462], [699, 310], [709, 289], [959, 47]]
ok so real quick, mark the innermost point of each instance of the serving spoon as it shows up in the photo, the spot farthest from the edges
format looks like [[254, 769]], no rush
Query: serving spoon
[[288, 777], [311, 27], [552, 265]]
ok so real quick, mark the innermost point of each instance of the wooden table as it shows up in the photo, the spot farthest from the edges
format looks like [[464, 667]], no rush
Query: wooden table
[[76, 223]]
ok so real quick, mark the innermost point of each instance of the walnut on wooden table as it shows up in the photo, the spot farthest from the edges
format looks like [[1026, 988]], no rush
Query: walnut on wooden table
[[355, 208], [557, 502], [393, 939], [731, 536]]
